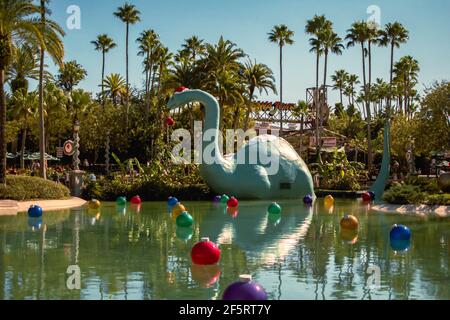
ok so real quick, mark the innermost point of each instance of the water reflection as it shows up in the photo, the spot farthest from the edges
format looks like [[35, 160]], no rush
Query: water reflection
[[301, 254]]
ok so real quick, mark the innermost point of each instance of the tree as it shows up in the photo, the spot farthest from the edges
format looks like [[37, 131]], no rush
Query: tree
[[393, 35], [314, 27], [25, 105], [148, 46], [281, 35], [257, 76], [359, 34], [52, 43], [195, 47], [128, 14], [330, 42], [70, 75], [104, 44], [406, 76], [17, 24], [352, 82], [340, 78], [114, 86]]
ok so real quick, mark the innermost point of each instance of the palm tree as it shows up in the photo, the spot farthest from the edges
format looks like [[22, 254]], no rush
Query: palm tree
[[129, 15], [195, 47], [372, 39], [104, 44], [25, 105], [314, 27], [257, 76], [17, 24], [25, 65], [340, 78], [393, 35], [352, 82], [406, 72], [70, 75], [51, 33], [358, 34], [114, 86], [330, 42], [281, 35]]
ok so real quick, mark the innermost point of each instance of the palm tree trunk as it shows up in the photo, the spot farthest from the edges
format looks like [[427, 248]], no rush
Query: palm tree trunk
[[103, 78], [281, 90], [370, 74], [249, 110], [127, 106], [389, 107], [324, 104], [2, 127], [369, 117], [22, 148], [340, 92], [147, 80], [43, 169], [317, 104]]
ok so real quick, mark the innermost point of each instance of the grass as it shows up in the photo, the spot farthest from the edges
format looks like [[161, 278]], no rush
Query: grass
[[22, 188]]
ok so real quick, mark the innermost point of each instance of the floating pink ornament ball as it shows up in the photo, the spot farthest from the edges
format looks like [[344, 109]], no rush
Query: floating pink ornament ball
[[205, 253], [233, 203], [136, 200]]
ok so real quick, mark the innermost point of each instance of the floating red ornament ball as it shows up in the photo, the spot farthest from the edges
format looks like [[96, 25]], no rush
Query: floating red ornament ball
[[233, 202], [205, 253], [136, 200], [367, 197], [181, 89]]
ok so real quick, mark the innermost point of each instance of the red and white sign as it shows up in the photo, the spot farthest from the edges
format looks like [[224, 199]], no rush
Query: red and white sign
[[69, 149]]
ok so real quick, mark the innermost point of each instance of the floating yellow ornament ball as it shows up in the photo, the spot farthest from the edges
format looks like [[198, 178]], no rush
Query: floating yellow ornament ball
[[349, 222], [94, 204], [329, 201], [177, 210]]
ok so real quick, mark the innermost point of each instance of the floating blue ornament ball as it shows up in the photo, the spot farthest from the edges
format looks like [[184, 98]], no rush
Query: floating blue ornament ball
[[400, 245], [308, 199], [172, 201], [400, 232], [35, 212], [372, 194]]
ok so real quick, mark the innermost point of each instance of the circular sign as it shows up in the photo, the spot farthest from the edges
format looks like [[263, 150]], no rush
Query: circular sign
[[69, 149]]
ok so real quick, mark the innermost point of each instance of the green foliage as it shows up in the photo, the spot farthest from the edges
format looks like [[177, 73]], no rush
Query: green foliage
[[403, 194], [416, 190], [22, 188], [339, 173]]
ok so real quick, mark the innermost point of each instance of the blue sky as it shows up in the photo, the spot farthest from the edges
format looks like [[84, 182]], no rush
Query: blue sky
[[246, 22]]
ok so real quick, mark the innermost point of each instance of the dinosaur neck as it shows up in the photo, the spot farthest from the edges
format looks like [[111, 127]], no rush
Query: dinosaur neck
[[382, 180], [212, 114]]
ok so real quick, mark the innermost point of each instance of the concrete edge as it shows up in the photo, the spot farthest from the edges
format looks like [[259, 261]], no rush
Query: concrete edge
[[417, 210], [8, 207]]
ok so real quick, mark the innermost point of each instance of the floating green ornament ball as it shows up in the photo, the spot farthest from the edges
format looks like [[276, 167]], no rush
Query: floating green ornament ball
[[224, 199], [274, 208], [121, 201], [185, 220]]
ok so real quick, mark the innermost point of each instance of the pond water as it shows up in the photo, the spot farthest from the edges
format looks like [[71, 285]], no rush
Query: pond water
[[139, 253]]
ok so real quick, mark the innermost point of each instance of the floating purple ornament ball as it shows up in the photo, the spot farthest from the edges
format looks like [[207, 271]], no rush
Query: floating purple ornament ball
[[217, 199], [308, 199], [245, 290], [372, 195]]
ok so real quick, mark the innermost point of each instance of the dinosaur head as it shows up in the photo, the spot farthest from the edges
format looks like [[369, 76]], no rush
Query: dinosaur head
[[178, 99]]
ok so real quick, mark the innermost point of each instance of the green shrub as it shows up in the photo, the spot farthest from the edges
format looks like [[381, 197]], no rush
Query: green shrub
[[403, 194], [110, 189], [424, 184], [22, 188], [438, 199]]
